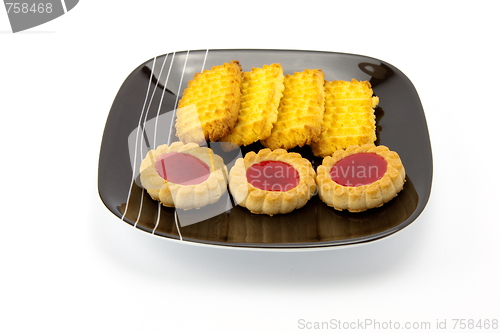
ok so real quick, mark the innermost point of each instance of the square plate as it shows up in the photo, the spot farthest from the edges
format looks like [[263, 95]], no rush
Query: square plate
[[141, 118]]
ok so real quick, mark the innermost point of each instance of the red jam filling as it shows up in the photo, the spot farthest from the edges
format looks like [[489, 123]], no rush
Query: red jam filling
[[358, 169], [183, 169], [273, 176]]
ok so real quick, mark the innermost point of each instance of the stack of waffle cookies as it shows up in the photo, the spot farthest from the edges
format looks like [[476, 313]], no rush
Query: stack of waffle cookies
[[228, 105]]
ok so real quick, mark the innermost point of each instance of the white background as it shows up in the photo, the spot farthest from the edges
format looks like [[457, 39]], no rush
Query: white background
[[69, 265]]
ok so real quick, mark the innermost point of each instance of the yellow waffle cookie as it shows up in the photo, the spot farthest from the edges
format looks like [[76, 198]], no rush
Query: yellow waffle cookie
[[300, 112], [261, 91], [209, 107], [349, 117]]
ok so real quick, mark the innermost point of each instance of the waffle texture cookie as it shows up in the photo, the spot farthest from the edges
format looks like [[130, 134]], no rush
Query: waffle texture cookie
[[209, 107], [300, 111], [261, 91], [184, 176], [272, 182], [360, 177], [349, 117]]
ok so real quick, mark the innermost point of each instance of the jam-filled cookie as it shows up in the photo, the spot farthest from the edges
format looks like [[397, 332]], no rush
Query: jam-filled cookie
[[184, 176], [360, 177], [272, 182]]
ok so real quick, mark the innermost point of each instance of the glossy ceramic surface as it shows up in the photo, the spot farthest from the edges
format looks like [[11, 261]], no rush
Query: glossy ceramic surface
[[141, 118]]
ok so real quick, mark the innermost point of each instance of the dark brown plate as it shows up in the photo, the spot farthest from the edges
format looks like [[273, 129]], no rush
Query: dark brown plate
[[141, 119]]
